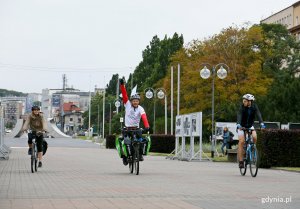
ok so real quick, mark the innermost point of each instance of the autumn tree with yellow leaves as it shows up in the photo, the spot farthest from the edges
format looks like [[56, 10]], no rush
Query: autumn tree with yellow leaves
[[240, 50]]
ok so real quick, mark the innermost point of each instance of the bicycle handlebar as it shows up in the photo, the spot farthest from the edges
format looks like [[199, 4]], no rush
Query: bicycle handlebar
[[133, 129], [38, 133]]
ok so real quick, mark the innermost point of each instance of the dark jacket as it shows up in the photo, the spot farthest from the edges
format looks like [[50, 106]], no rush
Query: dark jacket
[[246, 115]]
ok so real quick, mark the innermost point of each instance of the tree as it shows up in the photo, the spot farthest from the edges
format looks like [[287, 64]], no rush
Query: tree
[[233, 46], [240, 49], [112, 85], [5, 93], [156, 58], [282, 61], [282, 102]]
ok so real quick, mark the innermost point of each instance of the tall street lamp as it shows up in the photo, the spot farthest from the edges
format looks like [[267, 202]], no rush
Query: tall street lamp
[[109, 118], [159, 93], [117, 105], [103, 116], [205, 74]]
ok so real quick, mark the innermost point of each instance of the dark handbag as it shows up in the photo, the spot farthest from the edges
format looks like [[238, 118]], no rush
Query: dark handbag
[[45, 146], [231, 135]]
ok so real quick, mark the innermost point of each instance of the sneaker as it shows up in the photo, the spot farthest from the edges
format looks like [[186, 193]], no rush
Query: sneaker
[[141, 158], [241, 164], [40, 164], [29, 151], [125, 161]]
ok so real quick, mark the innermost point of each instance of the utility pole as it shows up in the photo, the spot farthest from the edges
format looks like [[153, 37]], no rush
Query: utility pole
[[117, 93], [178, 89], [64, 77], [98, 120], [103, 112], [109, 118], [90, 114], [172, 89]]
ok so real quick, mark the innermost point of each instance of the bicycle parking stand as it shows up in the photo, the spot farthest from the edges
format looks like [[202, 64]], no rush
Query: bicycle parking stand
[[4, 153], [4, 150]]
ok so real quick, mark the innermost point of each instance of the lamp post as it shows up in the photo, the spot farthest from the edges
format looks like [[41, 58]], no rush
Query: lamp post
[[98, 120], [103, 116], [109, 118], [161, 94], [205, 74], [117, 105]]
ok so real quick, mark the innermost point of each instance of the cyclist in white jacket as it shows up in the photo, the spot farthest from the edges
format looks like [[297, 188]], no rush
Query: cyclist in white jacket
[[133, 113]]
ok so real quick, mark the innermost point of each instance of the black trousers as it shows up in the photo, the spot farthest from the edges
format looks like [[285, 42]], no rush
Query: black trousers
[[38, 139]]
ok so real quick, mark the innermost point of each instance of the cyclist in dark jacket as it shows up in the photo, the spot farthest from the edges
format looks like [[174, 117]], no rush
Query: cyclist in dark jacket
[[245, 119], [35, 122]]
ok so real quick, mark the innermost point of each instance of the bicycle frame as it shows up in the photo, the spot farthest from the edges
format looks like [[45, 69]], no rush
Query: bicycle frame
[[251, 155], [34, 155], [248, 144]]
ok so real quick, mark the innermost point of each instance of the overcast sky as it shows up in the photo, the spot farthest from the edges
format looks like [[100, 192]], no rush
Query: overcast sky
[[89, 40]]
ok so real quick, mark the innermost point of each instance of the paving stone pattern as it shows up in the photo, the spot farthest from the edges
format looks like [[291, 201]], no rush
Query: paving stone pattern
[[81, 175]]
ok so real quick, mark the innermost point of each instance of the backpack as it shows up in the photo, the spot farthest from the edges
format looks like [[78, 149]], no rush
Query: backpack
[[231, 135]]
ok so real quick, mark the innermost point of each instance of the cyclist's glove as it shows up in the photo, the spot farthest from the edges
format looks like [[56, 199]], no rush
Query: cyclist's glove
[[121, 81], [262, 125], [147, 129], [238, 126]]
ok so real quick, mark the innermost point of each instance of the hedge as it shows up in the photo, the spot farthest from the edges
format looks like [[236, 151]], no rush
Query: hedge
[[162, 143], [159, 143], [110, 142], [278, 148]]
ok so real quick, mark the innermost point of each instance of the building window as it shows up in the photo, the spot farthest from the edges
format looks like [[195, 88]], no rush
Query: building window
[[79, 120], [71, 119], [297, 21]]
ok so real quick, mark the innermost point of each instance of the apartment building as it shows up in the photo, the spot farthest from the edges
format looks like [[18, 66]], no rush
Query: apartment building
[[289, 17]]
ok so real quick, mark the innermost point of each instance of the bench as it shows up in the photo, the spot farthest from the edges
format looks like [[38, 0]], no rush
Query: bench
[[232, 155]]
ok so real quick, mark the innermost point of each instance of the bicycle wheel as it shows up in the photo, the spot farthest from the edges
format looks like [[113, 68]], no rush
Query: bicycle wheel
[[130, 164], [254, 161], [136, 162], [36, 159], [32, 159], [244, 170]]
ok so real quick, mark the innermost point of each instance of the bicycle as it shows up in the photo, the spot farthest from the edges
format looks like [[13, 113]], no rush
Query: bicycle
[[34, 152], [131, 147], [251, 154]]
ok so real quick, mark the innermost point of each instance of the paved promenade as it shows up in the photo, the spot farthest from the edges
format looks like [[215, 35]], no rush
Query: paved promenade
[[79, 174]]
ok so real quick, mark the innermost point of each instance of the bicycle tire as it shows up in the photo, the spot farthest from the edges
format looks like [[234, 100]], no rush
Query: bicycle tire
[[254, 161], [36, 159], [32, 160], [136, 162], [244, 170], [130, 165]]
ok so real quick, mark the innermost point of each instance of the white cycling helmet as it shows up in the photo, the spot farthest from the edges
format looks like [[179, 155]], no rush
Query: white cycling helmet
[[135, 96], [249, 97]]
